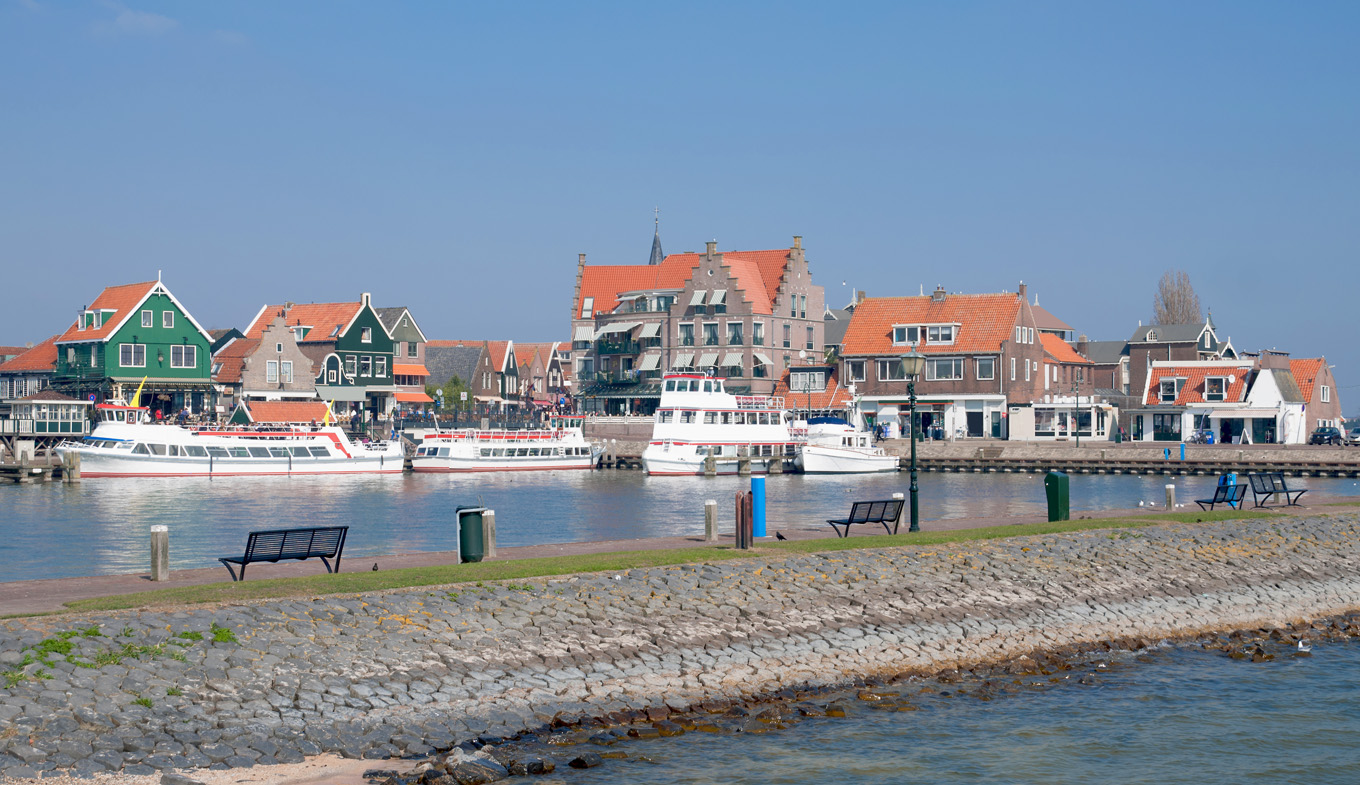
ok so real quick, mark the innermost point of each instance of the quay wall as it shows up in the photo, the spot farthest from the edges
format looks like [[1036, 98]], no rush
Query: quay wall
[[415, 670]]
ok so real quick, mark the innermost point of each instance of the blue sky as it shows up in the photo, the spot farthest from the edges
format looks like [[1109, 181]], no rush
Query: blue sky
[[455, 158]]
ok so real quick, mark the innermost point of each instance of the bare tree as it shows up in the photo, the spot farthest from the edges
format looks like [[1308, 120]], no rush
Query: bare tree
[[1176, 301]]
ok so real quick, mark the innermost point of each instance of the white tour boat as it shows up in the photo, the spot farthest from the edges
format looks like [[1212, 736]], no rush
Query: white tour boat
[[697, 418], [124, 444], [560, 446], [835, 447]]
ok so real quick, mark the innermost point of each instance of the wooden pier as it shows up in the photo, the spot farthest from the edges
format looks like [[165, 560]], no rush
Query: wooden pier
[[45, 468]]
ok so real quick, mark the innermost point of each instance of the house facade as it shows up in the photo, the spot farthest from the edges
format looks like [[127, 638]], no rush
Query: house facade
[[408, 365], [983, 352], [742, 315], [137, 336], [29, 371], [449, 360], [1317, 385], [271, 367], [351, 352]]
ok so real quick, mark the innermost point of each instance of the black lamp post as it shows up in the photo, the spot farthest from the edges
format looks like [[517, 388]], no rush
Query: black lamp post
[[913, 362]]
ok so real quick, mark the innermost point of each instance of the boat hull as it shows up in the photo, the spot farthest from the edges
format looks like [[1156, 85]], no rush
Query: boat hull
[[659, 462], [815, 459]]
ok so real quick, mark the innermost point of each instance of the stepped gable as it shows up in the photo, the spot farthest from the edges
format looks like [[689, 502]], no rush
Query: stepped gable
[[321, 318], [232, 358], [119, 299], [42, 357], [758, 273], [985, 322]]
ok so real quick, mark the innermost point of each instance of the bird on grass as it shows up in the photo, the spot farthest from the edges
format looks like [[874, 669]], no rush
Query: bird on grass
[[779, 536], [375, 566]]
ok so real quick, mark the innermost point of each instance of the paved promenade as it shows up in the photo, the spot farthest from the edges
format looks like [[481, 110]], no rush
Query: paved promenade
[[418, 670]]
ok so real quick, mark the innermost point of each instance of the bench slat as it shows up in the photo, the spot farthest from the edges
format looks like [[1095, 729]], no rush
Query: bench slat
[[323, 542]]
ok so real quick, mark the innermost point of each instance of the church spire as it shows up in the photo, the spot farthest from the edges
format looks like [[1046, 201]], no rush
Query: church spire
[[657, 255]]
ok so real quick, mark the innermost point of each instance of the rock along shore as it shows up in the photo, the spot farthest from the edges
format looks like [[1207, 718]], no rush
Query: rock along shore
[[411, 672]]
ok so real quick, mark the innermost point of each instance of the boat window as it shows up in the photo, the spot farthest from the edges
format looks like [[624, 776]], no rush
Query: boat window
[[157, 449], [420, 451], [710, 418], [717, 386], [670, 385], [172, 450], [195, 451], [764, 418], [124, 446], [218, 452], [665, 415], [534, 452], [258, 452], [766, 449], [486, 452], [443, 452], [140, 450], [319, 452], [239, 452], [686, 416], [299, 452], [522, 452], [726, 418], [279, 452]]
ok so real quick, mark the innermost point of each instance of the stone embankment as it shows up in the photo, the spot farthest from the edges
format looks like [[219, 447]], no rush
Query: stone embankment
[[415, 671]]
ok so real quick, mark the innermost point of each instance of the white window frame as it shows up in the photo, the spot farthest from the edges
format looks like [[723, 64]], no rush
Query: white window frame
[[587, 307], [977, 368], [1326, 394], [1012, 369], [850, 370], [148, 319], [890, 365], [911, 334], [134, 349], [1161, 390], [935, 333], [1222, 392], [366, 365], [1027, 369], [271, 372], [168, 320], [380, 366], [366, 335], [286, 371], [351, 366], [180, 356], [933, 369]]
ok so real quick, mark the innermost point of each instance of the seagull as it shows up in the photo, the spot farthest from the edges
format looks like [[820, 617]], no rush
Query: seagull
[[1304, 647], [779, 536]]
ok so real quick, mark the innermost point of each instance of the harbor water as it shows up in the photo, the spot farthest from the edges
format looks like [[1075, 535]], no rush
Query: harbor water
[[1181, 715], [100, 527]]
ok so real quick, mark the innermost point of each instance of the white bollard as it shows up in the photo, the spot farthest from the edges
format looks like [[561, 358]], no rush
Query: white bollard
[[489, 534], [711, 520], [160, 553], [1170, 498]]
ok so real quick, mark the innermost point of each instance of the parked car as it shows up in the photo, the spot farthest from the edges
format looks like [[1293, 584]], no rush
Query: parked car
[[1355, 436], [1327, 435]]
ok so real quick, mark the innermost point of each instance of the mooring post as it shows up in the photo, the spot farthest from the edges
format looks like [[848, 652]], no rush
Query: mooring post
[[711, 520], [489, 533], [160, 553], [1170, 497]]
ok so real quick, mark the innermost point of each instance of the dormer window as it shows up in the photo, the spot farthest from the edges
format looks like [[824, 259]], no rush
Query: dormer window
[[299, 332], [1152, 335], [1168, 390], [587, 307], [943, 333], [1215, 388], [905, 335]]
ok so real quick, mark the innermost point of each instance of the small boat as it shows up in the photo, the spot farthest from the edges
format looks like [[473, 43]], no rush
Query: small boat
[[125, 444], [835, 447], [560, 446], [698, 419]]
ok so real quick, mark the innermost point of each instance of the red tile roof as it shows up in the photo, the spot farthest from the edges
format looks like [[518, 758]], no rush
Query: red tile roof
[[440, 344], [1305, 370], [42, 357], [543, 351], [986, 321], [833, 397], [321, 317], [497, 351], [13, 351], [120, 300], [286, 411], [1061, 350], [233, 357], [1192, 386], [758, 274]]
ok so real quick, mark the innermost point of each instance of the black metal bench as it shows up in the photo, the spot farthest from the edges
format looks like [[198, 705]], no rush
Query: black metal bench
[[322, 542], [1231, 495], [1268, 484], [884, 512]]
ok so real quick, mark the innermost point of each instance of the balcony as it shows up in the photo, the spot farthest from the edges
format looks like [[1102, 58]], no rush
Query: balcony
[[617, 377], [617, 347]]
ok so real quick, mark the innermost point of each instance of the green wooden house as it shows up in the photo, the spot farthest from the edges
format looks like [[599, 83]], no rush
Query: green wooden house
[[352, 353], [137, 335]]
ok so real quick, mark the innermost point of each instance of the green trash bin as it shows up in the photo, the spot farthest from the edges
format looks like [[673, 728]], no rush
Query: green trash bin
[[471, 545], [1055, 486]]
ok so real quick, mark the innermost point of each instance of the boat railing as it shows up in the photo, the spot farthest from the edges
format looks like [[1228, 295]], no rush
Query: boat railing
[[504, 436], [760, 402]]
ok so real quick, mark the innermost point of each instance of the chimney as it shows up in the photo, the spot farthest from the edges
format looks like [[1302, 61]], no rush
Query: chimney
[[580, 260], [1022, 290], [712, 247], [798, 241], [288, 306], [859, 296], [1082, 344], [363, 298], [938, 295]]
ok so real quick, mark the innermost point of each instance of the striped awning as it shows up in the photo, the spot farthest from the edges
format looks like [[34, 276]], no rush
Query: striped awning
[[652, 330], [617, 327], [732, 359], [762, 359], [698, 297], [708, 359], [650, 362], [719, 297], [684, 360], [584, 332]]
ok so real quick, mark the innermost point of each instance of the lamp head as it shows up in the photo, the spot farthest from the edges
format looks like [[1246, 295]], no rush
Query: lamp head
[[913, 363]]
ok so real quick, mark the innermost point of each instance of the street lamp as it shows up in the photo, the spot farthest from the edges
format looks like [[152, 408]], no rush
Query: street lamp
[[807, 382], [913, 362]]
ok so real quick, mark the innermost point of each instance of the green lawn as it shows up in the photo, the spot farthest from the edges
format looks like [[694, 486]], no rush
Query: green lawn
[[520, 569]]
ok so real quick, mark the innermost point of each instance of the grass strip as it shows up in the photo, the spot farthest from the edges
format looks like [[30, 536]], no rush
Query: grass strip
[[446, 574]]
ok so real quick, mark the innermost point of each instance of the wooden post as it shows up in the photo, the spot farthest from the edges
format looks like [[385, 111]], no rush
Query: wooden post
[[160, 553], [710, 465], [711, 520], [489, 533], [1170, 498]]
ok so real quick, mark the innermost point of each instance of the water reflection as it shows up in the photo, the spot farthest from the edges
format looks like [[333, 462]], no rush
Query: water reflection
[[100, 526]]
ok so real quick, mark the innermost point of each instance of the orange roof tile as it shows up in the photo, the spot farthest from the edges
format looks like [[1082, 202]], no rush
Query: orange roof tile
[[543, 351], [1061, 350], [758, 274], [1305, 370], [286, 411], [42, 357], [497, 351], [1192, 386], [833, 397], [120, 300], [321, 317], [986, 321], [232, 358], [443, 344]]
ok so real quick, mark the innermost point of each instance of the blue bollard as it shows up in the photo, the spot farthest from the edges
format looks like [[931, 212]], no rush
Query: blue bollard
[[1166, 453], [757, 506], [1182, 451]]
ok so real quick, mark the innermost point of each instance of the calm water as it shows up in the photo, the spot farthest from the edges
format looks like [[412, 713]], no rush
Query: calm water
[[1187, 717], [101, 526]]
